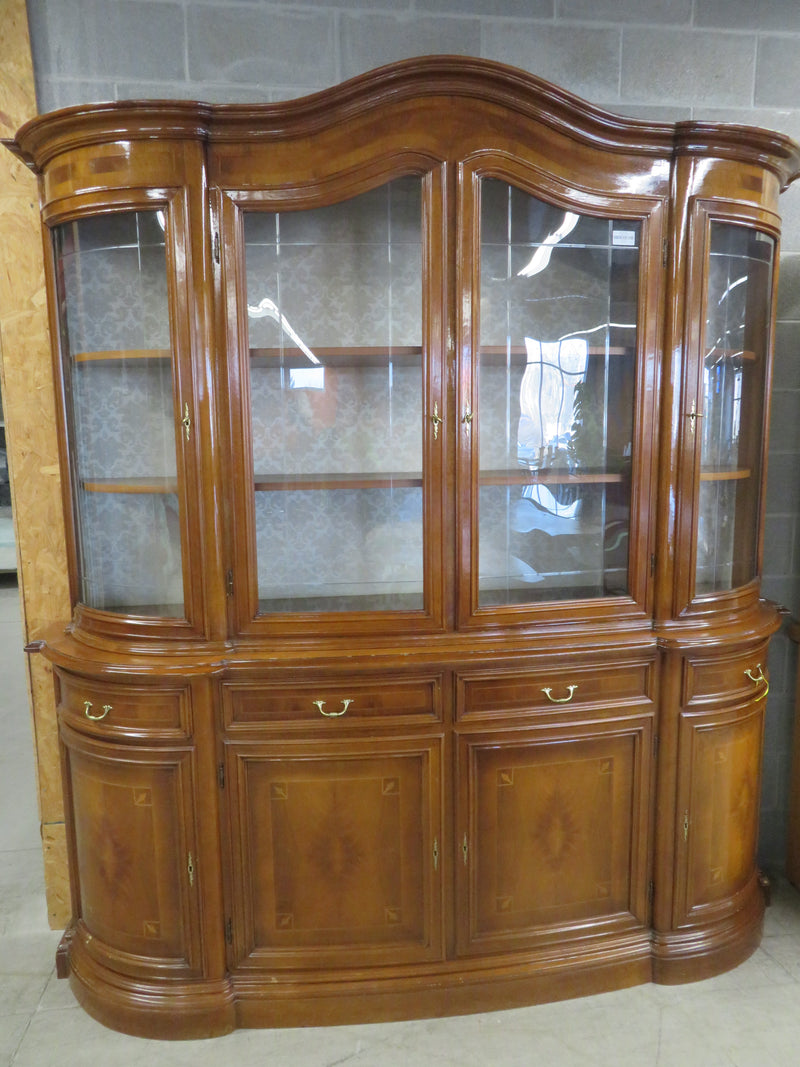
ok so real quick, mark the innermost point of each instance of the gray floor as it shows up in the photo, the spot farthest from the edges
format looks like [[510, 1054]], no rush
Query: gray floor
[[750, 1016]]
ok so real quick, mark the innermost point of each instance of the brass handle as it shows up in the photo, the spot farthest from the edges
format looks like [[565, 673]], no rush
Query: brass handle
[[320, 705], [757, 679], [186, 421], [560, 700], [87, 705], [465, 849], [468, 417], [437, 421], [686, 826], [436, 853]]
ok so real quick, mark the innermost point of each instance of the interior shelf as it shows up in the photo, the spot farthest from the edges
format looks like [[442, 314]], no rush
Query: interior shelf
[[338, 357], [356, 480], [130, 485], [725, 474], [548, 477], [120, 354]]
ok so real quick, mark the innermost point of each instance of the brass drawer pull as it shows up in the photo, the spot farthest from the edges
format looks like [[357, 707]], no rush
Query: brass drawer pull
[[757, 679], [87, 705], [320, 705], [560, 700]]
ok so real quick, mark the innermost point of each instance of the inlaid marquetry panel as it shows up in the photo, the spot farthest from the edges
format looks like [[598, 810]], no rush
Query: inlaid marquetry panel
[[717, 808], [558, 834], [132, 845], [337, 852]]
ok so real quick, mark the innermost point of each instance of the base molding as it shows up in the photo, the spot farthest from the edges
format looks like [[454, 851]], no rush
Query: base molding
[[193, 1008]]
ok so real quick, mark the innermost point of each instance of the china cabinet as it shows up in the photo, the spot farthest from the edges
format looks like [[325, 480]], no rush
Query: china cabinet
[[413, 441]]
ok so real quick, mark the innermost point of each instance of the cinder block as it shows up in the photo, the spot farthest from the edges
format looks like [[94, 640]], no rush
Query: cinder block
[[703, 69]]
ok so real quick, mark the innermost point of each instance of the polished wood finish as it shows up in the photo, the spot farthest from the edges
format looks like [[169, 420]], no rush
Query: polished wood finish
[[322, 815]]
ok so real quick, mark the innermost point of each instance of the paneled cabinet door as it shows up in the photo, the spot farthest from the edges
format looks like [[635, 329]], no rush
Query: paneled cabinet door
[[336, 852], [553, 833], [717, 815], [135, 860]]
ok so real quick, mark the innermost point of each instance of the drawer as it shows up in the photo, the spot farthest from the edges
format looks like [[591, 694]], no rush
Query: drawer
[[110, 709], [559, 688], [735, 677], [388, 699]]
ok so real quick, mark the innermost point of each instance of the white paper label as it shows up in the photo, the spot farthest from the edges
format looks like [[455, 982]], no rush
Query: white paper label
[[624, 237]]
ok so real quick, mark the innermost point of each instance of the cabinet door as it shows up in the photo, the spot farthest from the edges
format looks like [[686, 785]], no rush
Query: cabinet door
[[553, 834], [340, 438], [123, 320], [725, 409], [719, 785], [135, 861], [336, 853], [557, 422]]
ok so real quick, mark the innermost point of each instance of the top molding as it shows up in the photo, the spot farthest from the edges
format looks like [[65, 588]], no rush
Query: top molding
[[46, 136]]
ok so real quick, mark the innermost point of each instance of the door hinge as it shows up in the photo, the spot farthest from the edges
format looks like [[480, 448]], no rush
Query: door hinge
[[664, 252], [651, 892], [216, 246], [221, 775], [229, 932], [229, 583], [656, 742], [653, 565]]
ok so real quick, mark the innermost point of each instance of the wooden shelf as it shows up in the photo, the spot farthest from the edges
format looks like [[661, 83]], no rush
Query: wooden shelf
[[725, 474], [338, 357], [117, 355], [549, 477], [356, 480], [130, 485]]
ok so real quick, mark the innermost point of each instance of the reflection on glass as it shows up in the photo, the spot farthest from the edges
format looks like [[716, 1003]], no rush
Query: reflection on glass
[[731, 419], [334, 299], [558, 314], [115, 339]]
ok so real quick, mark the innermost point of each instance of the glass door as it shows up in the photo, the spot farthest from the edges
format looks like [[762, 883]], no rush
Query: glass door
[[114, 319], [554, 393], [334, 312], [728, 423]]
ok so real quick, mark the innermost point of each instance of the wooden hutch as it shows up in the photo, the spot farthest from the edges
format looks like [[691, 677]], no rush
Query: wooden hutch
[[413, 436]]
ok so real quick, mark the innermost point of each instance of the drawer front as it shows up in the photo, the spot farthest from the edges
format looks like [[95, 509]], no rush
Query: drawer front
[[387, 699], [733, 677], [558, 688], [110, 709]]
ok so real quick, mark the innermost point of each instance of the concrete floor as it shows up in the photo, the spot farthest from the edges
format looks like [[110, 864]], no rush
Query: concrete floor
[[747, 1018]]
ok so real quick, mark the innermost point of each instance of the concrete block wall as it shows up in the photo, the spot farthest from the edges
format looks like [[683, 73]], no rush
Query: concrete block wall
[[728, 60]]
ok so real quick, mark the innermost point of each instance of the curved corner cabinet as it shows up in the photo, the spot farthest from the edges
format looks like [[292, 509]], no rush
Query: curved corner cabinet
[[413, 446]]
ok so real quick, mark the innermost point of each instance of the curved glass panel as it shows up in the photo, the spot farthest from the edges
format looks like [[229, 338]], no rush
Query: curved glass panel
[[558, 310], [111, 274], [731, 421], [334, 304]]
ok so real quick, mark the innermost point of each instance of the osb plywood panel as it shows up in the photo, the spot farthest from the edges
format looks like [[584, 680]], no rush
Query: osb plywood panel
[[29, 408], [54, 845]]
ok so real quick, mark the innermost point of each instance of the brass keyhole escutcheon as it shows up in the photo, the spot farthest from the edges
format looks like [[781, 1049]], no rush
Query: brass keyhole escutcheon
[[437, 421]]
